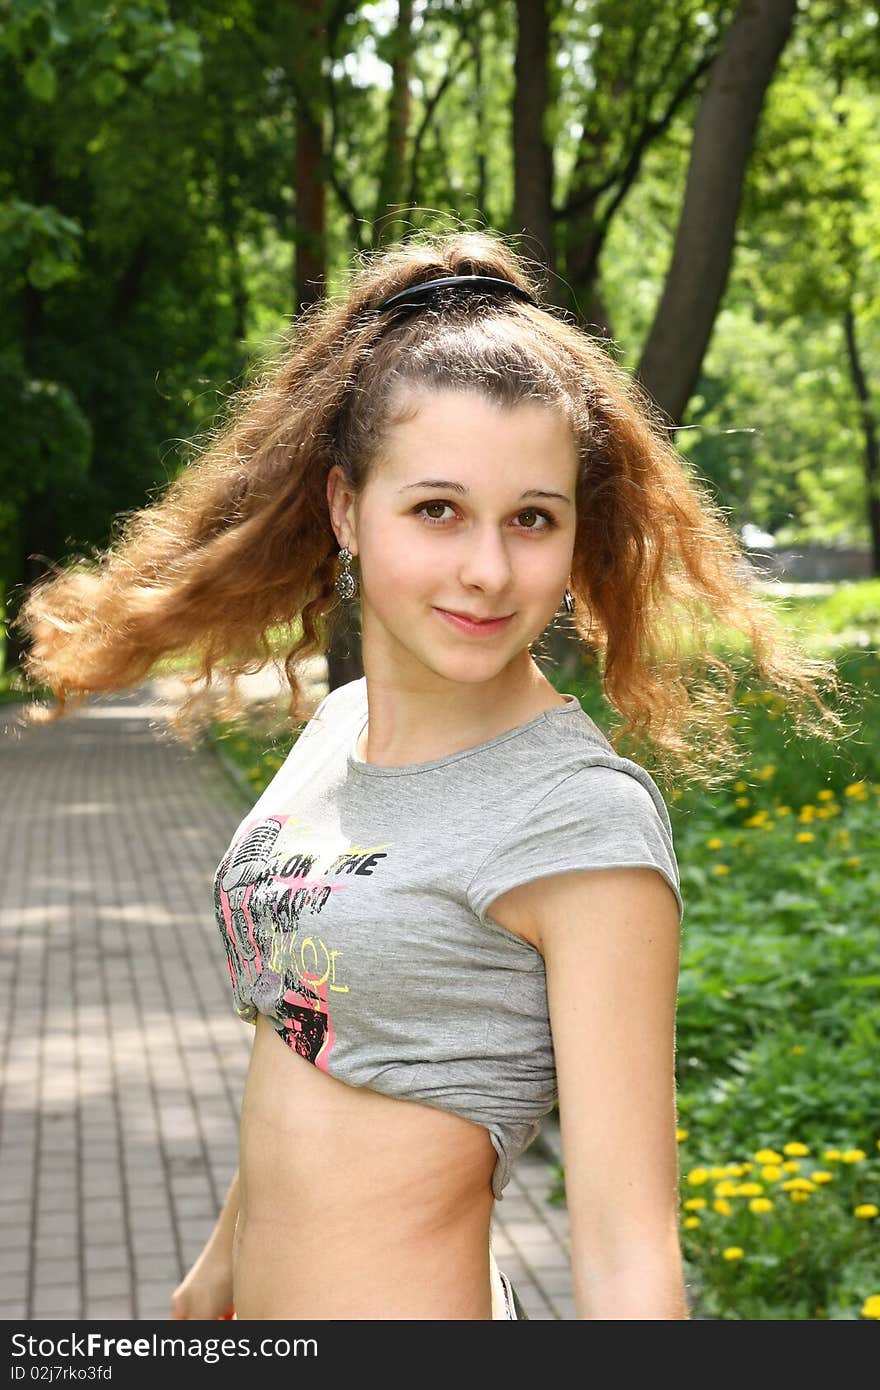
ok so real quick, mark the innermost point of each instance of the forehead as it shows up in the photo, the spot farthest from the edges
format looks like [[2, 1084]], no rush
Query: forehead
[[466, 431]]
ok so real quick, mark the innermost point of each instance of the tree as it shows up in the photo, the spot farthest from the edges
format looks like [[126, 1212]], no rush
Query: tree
[[723, 135]]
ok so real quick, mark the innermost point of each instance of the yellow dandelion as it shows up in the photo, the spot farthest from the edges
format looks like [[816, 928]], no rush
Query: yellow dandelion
[[804, 837], [825, 794], [853, 1156], [692, 1222], [725, 1189], [791, 1165], [720, 869], [741, 801], [734, 1170], [760, 1204], [681, 1135], [853, 861], [795, 1150], [798, 1050], [798, 1185], [767, 772], [740, 786], [871, 1306], [866, 1210], [821, 1177], [749, 1189], [722, 1206], [715, 843], [717, 1173], [767, 1156], [856, 789], [733, 1252], [697, 1176], [799, 1196], [695, 1204], [783, 810], [832, 1156], [771, 1172]]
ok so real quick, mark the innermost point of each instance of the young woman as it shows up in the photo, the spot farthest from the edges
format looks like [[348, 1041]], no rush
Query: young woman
[[457, 901]]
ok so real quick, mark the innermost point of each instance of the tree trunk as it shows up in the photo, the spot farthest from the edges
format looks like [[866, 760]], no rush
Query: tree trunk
[[532, 155], [724, 132], [389, 220], [310, 240], [480, 136], [869, 428], [230, 216]]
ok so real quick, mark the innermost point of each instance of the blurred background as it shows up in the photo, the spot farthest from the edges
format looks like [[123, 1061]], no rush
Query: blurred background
[[702, 183]]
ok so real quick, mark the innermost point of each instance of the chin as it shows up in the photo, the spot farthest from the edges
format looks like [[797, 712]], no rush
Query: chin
[[464, 668]]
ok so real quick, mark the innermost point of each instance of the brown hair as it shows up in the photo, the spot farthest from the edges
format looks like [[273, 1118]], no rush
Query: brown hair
[[240, 543]]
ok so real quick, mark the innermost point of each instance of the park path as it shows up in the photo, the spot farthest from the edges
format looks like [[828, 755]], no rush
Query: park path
[[122, 1062]]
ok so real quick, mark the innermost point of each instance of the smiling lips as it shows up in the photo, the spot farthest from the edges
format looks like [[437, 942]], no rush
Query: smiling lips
[[465, 623]]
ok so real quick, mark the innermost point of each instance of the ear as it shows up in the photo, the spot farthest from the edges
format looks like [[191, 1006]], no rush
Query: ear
[[342, 504]]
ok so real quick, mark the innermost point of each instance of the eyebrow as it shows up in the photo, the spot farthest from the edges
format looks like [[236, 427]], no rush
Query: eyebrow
[[463, 491]]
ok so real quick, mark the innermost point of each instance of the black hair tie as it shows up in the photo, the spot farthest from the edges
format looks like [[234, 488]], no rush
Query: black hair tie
[[418, 295]]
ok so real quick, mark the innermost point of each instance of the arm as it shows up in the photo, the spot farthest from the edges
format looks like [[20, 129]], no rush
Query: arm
[[206, 1291], [610, 942]]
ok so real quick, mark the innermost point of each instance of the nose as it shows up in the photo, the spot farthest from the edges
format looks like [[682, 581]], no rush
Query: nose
[[485, 563]]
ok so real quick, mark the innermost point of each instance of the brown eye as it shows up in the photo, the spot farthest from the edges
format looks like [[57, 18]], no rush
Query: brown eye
[[424, 509], [536, 515]]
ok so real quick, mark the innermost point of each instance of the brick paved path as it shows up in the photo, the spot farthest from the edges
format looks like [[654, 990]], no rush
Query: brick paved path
[[122, 1062]]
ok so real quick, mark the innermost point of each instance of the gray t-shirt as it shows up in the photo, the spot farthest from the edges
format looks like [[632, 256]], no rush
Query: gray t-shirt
[[354, 903]]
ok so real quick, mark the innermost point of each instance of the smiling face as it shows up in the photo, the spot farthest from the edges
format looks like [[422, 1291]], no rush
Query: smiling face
[[470, 510]]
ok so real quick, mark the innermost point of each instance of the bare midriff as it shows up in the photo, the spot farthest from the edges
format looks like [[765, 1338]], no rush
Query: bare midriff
[[354, 1204]]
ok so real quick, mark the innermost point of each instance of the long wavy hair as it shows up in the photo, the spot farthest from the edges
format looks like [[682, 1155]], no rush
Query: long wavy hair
[[239, 547]]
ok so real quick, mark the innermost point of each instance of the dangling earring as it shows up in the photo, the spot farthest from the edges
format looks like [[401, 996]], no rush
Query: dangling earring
[[568, 606], [346, 583]]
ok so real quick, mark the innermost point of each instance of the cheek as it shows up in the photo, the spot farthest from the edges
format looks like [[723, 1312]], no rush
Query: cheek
[[393, 564], [546, 565]]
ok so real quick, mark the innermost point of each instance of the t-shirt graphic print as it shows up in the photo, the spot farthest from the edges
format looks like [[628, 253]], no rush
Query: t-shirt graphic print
[[270, 890]]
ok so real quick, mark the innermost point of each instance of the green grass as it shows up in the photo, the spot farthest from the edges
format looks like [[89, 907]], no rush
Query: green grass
[[849, 615]]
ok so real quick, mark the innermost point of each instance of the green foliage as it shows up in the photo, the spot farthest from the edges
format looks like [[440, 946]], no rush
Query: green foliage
[[39, 243]]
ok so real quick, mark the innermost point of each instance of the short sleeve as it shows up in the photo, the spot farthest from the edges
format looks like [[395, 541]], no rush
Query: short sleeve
[[599, 817]]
